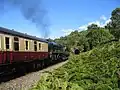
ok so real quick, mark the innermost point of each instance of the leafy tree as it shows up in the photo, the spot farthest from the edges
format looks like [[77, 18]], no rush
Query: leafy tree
[[109, 25], [70, 40], [82, 42], [96, 37], [93, 26], [114, 26], [85, 40]]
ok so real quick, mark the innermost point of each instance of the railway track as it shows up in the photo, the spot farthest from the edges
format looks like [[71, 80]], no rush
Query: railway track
[[25, 82]]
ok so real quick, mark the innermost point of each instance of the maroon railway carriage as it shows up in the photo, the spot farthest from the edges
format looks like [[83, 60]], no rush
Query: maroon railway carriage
[[18, 47]]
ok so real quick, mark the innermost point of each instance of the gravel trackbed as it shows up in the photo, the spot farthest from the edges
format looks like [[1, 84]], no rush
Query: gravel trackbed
[[27, 81]]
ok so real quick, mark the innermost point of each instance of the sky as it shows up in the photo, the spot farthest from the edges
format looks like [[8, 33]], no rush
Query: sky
[[64, 16]]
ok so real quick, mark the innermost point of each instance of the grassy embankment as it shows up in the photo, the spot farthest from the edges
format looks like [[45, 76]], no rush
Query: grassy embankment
[[92, 70]]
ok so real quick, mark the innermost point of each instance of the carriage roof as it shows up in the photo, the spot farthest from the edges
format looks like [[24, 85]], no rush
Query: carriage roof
[[15, 33]]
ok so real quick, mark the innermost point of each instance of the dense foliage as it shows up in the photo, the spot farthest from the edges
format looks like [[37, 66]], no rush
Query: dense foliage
[[114, 25], [85, 40], [92, 26], [96, 37], [92, 70]]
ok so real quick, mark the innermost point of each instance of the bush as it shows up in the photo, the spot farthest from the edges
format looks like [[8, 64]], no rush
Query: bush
[[96, 37]]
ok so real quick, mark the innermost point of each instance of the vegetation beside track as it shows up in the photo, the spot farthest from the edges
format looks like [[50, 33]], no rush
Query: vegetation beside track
[[93, 70]]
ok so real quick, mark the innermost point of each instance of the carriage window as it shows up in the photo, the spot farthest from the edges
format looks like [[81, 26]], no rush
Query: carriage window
[[35, 46], [7, 42], [16, 39], [26, 43], [16, 44], [39, 46]]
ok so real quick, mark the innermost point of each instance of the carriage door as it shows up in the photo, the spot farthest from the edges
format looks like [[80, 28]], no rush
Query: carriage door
[[7, 45]]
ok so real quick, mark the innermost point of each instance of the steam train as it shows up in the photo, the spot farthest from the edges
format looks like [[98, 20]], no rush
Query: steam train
[[19, 51]]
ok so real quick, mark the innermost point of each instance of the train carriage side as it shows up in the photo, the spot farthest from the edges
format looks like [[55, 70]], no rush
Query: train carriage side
[[14, 48], [30, 50]]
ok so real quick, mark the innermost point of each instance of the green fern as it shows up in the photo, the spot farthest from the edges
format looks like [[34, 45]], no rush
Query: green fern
[[92, 70]]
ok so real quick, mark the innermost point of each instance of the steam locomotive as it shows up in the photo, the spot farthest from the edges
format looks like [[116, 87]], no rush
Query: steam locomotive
[[23, 52]]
